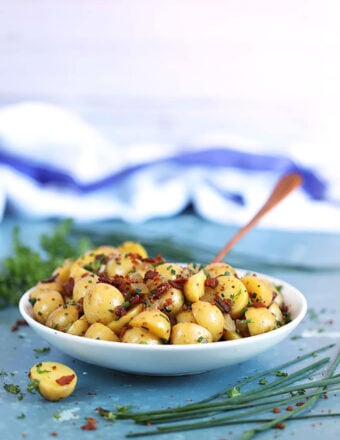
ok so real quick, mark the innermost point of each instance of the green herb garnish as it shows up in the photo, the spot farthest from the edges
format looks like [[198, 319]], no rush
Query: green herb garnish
[[25, 267], [266, 391]]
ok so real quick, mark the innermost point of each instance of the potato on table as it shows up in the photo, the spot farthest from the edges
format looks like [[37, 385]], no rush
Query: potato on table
[[53, 380]]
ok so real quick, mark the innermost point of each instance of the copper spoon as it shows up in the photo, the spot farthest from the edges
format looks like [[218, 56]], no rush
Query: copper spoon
[[284, 186]]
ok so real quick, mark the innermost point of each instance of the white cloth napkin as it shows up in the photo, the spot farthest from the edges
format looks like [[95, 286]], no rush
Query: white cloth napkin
[[53, 164]]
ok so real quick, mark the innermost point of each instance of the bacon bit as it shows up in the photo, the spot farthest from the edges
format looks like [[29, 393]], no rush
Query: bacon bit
[[325, 396], [90, 425], [289, 408], [276, 410], [150, 274], [124, 330], [54, 367], [161, 289], [54, 434], [120, 311], [80, 306], [223, 304], [280, 426], [158, 259], [18, 323], [258, 304], [135, 299], [68, 288], [177, 283], [50, 279], [65, 380], [211, 282]]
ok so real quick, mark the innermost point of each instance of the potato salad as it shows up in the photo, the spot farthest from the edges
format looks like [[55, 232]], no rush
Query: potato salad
[[120, 294]]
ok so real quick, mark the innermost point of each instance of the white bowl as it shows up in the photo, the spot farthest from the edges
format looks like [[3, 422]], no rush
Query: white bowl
[[168, 360]]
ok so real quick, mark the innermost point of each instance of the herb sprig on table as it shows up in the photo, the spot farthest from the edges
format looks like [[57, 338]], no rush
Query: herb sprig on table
[[301, 388], [25, 266]]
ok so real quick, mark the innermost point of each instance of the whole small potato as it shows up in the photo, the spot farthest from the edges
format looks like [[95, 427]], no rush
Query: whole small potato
[[101, 332], [260, 320], [234, 293], [53, 380], [210, 317], [193, 288], [258, 290], [169, 271], [117, 324], [100, 302], [62, 273], [41, 288], [45, 304], [189, 333], [83, 285], [185, 316], [132, 247], [79, 327], [172, 301], [63, 317], [155, 321], [138, 335], [217, 269]]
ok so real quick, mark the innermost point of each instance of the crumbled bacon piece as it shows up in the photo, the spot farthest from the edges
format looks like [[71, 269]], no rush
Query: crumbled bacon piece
[[150, 274], [178, 283], [211, 282], [65, 380], [158, 259], [223, 304], [50, 279], [90, 425], [68, 288]]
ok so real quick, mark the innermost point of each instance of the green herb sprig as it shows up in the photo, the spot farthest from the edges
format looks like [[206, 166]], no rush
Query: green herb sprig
[[278, 390], [25, 266]]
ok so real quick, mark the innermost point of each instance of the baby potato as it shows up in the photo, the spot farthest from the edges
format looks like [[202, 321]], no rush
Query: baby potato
[[193, 288], [231, 335], [101, 332], [185, 316], [258, 290], [189, 333], [155, 321], [62, 273], [77, 272], [276, 311], [83, 285], [139, 335], [63, 317], [172, 301], [79, 327], [45, 304], [120, 265], [100, 302], [234, 293], [217, 269], [53, 380], [132, 247], [210, 317], [41, 288], [260, 320], [169, 271], [118, 323]]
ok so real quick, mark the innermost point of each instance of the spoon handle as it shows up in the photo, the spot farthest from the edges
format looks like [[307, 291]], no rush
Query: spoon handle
[[281, 190]]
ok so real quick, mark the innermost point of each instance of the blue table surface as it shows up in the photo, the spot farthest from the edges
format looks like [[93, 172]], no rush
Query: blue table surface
[[310, 261]]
